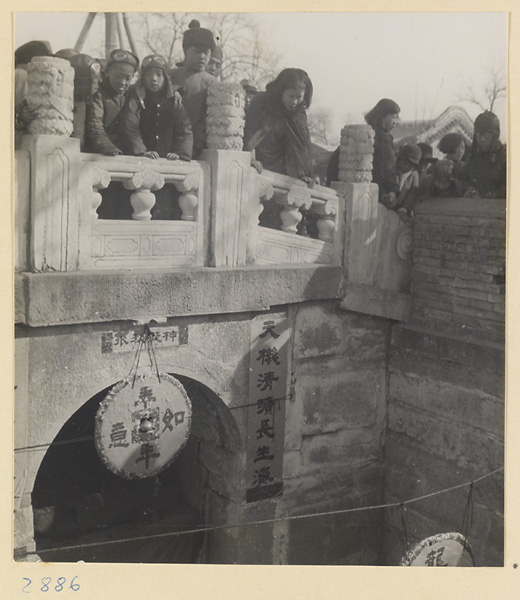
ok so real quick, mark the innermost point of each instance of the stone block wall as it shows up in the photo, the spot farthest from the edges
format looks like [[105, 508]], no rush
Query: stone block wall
[[334, 432], [446, 382]]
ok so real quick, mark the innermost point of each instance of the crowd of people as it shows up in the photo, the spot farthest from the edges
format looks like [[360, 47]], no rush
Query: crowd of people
[[124, 107]]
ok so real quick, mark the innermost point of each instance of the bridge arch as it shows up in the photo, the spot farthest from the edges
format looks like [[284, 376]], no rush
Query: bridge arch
[[82, 511]]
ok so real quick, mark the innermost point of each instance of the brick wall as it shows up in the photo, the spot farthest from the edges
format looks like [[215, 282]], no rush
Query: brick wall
[[446, 381], [459, 267]]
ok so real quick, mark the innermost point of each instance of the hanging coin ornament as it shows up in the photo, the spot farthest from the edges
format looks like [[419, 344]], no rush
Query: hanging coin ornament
[[142, 424], [441, 550]]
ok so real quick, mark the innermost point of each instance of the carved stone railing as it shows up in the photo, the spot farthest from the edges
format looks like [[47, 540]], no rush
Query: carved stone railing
[[60, 189], [61, 194], [324, 206], [141, 241]]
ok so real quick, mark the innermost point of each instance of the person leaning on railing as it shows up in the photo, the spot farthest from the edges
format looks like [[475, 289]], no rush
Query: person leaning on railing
[[102, 119], [485, 172]]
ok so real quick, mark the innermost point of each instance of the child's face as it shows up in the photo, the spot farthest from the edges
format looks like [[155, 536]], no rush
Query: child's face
[[153, 79], [293, 97], [403, 166], [120, 76], [197, 58], [388, 122], [485, 140], [458, 153], [214, 66]]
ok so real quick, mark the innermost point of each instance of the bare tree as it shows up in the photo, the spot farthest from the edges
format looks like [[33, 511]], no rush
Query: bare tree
[[320, 126], [486, 97], [246, 49]]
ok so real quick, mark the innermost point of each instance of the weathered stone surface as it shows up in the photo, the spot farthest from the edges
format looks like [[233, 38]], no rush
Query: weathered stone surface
[[320, 330], [446, 439], [376, 301], [470, 407], [344, 401], [85, 297]]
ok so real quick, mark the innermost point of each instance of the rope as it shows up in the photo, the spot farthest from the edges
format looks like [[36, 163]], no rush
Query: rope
[[399, 505]]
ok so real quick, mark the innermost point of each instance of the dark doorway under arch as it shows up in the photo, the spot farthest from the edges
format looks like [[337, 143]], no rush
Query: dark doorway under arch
[[82, 511]]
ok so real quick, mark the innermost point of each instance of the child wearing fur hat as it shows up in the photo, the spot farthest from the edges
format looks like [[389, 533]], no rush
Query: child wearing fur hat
[[102, 119], [154, 123], [192, 81], [486, 169]]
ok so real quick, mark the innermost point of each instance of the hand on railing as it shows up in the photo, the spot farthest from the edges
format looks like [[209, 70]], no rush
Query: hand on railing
[[257, 165], [151, 154]]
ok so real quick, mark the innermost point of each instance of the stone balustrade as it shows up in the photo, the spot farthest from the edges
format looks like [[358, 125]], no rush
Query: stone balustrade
[[218, 200], [323, 207]]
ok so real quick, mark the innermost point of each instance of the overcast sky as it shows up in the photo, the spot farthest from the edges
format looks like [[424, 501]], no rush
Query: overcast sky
[[421, 60]]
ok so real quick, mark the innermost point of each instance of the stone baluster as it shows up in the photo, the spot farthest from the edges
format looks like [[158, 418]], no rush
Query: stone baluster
[[266, 193], [327, 219], [189, 200], [297, 197], [143, 200], [100, 181]]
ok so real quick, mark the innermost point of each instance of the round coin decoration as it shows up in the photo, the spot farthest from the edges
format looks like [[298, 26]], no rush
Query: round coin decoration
[[142, 424], [441, 550]]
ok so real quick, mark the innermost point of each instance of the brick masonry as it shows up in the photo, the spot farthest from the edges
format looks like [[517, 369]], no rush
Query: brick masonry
[[446, 381]]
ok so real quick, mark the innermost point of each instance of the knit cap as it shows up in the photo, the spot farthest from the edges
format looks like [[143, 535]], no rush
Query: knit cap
[[487, 122], [196, 35]]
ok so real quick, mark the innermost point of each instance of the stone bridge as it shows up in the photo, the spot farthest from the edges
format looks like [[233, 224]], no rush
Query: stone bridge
[[389, 382]]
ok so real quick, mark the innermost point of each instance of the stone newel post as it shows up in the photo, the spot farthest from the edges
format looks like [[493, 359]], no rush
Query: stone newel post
[[355, 175], [225, 116], [50, 91]]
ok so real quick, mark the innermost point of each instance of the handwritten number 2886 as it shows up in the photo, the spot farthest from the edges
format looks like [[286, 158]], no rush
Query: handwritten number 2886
[[46, 582]]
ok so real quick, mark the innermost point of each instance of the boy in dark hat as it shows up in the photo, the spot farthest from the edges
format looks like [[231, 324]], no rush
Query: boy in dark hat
[[192, 81], [102, 121], [486, 169]]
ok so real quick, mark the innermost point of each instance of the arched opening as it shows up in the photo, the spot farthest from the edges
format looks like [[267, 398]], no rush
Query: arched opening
[[83, 511]]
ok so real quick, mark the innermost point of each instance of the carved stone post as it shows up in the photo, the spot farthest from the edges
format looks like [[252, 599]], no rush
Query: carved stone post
[[50, 91], [54, 214], [356, 153], [297, 197], [225, 116], [188, 200], [142, 200]]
